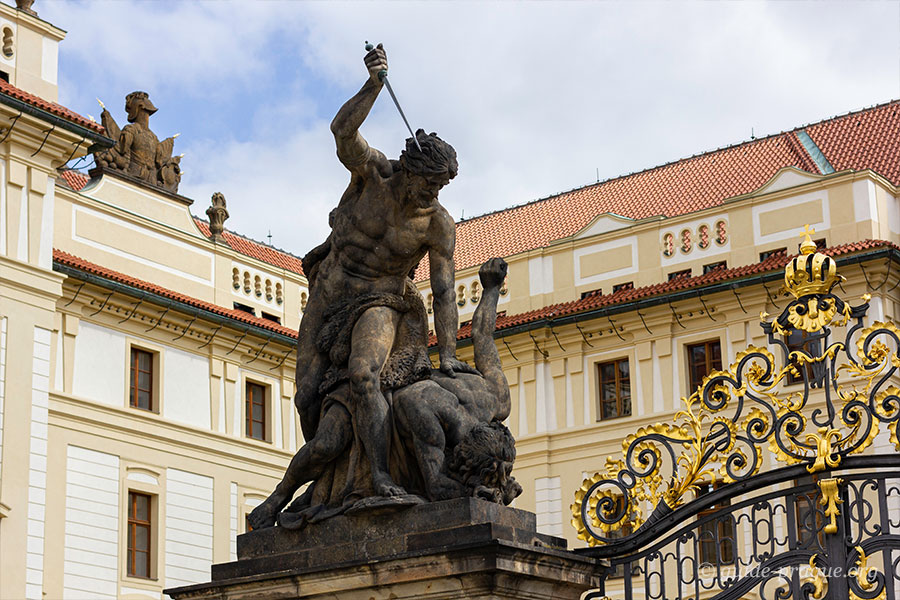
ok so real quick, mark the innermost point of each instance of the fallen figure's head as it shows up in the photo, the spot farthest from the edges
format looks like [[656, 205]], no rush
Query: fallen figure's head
[[482, 462]]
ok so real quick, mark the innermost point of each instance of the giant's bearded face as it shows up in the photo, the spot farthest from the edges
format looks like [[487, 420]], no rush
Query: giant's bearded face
[[428, 169]]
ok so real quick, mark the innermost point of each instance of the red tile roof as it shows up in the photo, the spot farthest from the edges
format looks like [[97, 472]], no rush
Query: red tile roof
[[553, 311], [867, 139], [74, 179], [590, 303], [70, 260], [248, 247], [50, 107]]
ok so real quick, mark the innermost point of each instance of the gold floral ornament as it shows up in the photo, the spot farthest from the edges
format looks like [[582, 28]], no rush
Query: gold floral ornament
[[606, 502], [830, 490], [817, 579], [864, 575], [824, 442]]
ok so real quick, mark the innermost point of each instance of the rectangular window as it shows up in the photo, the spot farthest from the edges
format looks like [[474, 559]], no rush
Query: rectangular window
[[686, 274], [715, 266], [141, 390], [770, 253], [715, 536], [139, 530], [270, 317], [798, 339], [702, 359], [810, 520], [615, 389], [244, 308], [628, 285], [820, 244], [590, 293], [255, 408]]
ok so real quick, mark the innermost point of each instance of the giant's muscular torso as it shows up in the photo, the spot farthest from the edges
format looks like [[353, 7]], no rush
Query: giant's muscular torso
[[378, 236]]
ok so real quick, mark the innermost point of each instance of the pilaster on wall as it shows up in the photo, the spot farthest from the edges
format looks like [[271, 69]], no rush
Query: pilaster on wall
[[37, 468], [2, 387], [26, 213]]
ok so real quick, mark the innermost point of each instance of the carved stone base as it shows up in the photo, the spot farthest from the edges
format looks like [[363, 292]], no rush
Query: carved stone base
[[464, 548]]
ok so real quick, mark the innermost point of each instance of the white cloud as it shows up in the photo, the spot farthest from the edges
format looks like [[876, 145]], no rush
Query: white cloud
[[537, 98]]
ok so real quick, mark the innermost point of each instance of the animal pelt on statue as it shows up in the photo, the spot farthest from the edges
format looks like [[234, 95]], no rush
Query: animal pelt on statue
[[408, 361]]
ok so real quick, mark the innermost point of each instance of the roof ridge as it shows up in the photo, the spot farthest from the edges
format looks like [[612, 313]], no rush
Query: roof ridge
[[250, 239], [847, 114], [679, 160]]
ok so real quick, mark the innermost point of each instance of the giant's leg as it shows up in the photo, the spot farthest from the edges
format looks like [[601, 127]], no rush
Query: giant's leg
[[311, 366], [371, 342], [335, 432]]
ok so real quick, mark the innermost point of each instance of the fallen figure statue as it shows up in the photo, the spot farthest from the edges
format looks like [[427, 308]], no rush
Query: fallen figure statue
[[449, 439]]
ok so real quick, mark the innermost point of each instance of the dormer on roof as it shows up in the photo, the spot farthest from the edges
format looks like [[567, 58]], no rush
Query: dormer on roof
[[29, 49], [605, 223]]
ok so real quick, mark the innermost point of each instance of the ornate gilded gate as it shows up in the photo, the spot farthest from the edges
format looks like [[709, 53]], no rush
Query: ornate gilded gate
[[759, 492]]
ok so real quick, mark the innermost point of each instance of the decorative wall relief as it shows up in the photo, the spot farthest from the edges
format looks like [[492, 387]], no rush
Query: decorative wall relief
[[688, 239]]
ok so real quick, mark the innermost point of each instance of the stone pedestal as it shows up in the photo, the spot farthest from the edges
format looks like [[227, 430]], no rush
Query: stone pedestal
[[462, 548]]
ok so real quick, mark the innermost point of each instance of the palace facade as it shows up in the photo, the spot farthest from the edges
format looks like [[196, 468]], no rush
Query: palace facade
[[146, 360]]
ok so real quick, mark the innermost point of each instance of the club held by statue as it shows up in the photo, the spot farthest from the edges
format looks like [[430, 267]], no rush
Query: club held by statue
[[382, 76]]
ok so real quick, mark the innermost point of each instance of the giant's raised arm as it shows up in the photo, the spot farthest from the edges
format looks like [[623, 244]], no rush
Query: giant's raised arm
[[352, 149], [443, 277]]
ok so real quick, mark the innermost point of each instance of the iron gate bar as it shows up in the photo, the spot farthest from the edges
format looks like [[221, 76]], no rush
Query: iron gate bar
[[792, 555], [664, 523]]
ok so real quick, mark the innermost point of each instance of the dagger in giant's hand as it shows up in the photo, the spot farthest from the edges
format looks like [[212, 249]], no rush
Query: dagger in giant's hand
[[382, 76]]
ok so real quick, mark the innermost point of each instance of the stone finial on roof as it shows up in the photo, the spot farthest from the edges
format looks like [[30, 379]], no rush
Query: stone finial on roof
[[25, 6], [217, 214], [138, 152]]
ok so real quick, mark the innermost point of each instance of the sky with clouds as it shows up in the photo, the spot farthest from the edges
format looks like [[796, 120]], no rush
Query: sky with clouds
[[536, 97]]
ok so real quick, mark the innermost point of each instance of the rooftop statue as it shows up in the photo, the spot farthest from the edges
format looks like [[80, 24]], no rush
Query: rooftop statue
[[217, 213], [138, 152], [382, 427]]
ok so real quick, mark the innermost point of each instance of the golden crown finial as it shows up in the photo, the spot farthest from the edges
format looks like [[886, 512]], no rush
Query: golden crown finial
[[808, 246], [811, 272]]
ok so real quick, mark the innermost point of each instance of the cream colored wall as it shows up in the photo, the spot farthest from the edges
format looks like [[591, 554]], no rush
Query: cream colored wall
[[196, 463], [152, 236], [29, 290], [34, 63]]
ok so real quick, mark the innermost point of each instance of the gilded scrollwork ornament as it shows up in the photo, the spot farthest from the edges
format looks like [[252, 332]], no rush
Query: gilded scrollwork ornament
[[738, 415], [866, 577], [816, 582]]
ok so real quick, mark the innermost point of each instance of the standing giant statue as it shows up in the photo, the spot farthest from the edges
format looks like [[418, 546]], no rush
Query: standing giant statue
[[382, 427]]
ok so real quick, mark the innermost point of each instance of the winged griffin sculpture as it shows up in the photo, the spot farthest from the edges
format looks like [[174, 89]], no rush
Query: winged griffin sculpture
[[138, 152]]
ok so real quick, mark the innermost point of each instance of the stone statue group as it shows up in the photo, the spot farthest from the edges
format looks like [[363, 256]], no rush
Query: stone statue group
[[382, 427]]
